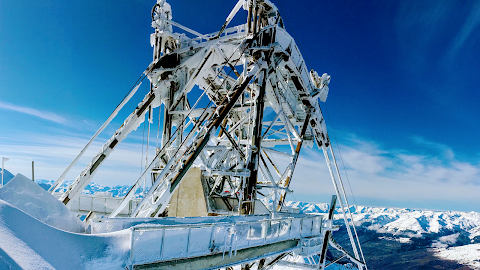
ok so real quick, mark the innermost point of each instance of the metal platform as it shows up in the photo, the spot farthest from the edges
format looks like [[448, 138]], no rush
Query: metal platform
[[215, 242]]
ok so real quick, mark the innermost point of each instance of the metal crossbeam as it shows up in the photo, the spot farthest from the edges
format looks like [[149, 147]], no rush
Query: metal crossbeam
[[255, 106]]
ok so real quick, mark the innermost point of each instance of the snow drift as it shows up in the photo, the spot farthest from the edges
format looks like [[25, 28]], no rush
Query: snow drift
[[29, 197], [27, 243]]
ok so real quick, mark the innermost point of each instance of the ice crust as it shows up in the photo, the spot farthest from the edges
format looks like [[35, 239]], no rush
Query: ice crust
[[32, 199]]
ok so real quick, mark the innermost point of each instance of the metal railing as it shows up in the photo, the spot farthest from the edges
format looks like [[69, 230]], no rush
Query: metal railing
[[100, 204], [155, 243]]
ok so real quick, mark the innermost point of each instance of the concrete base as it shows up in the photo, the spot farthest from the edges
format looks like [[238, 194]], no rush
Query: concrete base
[[189, 200]]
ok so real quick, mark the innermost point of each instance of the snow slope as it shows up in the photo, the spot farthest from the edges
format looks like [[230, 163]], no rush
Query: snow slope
[[29, 197], [27, 243], [467, 255]]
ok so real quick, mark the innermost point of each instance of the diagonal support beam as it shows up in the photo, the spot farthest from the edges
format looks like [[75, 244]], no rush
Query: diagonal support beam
[[179, 164], [110, 118], [271, 124], [126, 199], [130, 124], [249, 192], [326, 237], [273, 262], [286, 184], [233, 142]]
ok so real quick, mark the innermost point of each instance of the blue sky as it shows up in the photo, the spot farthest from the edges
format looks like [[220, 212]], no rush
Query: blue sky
[[403, 97]]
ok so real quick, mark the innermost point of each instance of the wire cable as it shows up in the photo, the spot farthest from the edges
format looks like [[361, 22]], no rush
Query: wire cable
[[341, 158], [351, 191]]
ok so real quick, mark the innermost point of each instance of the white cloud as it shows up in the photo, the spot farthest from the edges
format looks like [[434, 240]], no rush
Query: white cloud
[[393, 175], [449, 239], [438, 244], [31, 111], [418, 26], [445, 241], [374, 172], [471, 23], [443, 149], [377, 227], [364, 161], [53, 153]]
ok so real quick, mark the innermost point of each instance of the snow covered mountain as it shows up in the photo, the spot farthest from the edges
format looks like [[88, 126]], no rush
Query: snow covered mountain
[[92, 188], [406, 222], [401, 238]]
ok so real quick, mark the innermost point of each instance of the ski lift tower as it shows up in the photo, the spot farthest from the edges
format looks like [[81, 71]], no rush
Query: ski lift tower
[[237, 106]]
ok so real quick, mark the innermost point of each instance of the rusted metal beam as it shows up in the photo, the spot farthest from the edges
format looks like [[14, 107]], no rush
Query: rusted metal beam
[[249, 193]]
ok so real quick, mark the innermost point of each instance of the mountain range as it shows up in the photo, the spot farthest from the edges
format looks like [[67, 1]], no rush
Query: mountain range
[[402, 238], [93, 188]]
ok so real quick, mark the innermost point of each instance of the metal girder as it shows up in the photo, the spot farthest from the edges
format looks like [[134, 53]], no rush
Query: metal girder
[[285, 183], [326, 237], [254, 120], [156, 200], [130, 124], [249, 193], [273, 261]]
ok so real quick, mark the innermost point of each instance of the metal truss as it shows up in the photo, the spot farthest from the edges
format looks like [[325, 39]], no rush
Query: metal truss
[[240, 103]]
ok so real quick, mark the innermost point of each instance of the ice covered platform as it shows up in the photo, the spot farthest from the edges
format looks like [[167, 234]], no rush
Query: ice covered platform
[[28, 243], [38, 232], [216, 242]]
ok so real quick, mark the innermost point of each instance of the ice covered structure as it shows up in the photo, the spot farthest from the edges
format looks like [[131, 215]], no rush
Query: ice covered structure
[[234, 102]]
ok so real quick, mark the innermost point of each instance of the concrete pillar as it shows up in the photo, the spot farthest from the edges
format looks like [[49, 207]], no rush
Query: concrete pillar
[[189, 200]]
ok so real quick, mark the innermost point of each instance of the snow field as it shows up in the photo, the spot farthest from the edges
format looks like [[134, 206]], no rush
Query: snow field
[[467, 255]]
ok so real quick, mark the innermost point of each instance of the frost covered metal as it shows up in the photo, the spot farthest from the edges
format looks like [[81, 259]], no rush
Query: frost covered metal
[[239, 103], [225, 238]]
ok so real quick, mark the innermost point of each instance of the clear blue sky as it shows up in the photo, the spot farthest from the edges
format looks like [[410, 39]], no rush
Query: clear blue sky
[[403, 97]]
